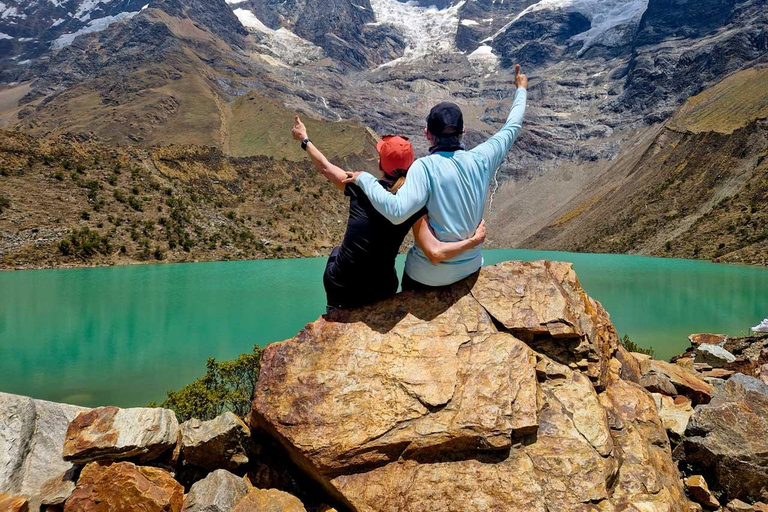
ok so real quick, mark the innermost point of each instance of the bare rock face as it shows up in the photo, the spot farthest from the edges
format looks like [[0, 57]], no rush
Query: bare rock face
[[706, 338], [141, 434], [434, 401], [543, 304], [726, 438], [31, 440], [269, 500], [10, 503], [113, 486], [216, 444], [220, 491]]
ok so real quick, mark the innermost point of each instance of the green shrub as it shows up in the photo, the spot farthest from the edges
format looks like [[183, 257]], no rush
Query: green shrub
[[85, 243], [631, 346], [135, 203], [226, 386], [4, 203]]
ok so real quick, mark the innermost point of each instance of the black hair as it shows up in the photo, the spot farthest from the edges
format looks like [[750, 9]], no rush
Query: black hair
[[447, 142]]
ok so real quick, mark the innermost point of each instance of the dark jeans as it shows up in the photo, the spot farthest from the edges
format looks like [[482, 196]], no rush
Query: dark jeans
[[346, 291]]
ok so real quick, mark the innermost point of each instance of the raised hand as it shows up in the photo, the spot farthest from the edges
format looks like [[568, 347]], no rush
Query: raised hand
[[299, 130], [520, 79]]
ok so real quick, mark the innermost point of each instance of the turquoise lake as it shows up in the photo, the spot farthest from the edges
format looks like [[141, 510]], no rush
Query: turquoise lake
[[125, 335]]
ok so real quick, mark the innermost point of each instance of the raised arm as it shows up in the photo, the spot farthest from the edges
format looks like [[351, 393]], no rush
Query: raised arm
[[399, 207], [438, 251], [332, 173], [496, 148]]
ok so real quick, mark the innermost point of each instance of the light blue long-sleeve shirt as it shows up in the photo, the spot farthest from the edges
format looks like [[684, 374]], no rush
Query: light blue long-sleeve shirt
[[454, 187]]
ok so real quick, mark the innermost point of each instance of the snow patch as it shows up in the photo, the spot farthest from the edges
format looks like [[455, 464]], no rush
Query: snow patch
[[281, 43], [235, 2], [5, 36], [57, 22], [609, 19], [427, 30], [483, 60], [10, 12], [469, 23], [96, 25]]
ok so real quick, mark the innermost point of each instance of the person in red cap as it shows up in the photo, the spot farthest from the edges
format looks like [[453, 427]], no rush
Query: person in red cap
[[362, 269]]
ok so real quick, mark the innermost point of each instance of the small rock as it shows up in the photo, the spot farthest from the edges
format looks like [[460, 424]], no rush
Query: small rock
[[326, 508], [693, 507], [658, 383], [686, 363], [760, 507], [701, 367], [641, 357], [118, 486], [141, 434], [220, 491], [707, 339], [699, 491], [715, 356], [269, 500], [675, 414], [718, 373], [739, 506], [714, 382], [686, 383], [10, 503], [215, 444]]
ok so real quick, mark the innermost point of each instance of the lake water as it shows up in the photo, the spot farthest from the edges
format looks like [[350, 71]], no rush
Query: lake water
[[125, 335]]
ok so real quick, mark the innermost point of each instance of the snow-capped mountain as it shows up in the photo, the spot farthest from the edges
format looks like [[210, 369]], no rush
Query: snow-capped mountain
[[599, 69]]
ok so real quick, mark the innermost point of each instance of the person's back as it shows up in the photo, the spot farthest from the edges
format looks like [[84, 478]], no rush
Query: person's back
[[458, 189], [453, 184]]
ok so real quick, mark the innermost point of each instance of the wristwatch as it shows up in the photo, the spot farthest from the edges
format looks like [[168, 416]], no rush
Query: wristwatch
[[304, 144]]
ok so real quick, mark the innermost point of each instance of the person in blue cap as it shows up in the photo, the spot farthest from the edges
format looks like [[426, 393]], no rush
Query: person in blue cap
[[453, 184]]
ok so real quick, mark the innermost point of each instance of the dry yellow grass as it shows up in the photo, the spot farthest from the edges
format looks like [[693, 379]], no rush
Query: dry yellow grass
[[728, 106]]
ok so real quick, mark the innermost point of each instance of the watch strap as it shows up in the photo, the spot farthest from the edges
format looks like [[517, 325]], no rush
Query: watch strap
[[304, 143]]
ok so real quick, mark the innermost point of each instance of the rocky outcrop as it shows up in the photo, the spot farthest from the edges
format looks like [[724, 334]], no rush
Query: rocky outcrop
[[218, 443], [699, 490], [10, 503], [713, 355], [31, 439], [726, 438], [685, 382], [112, 486], [500, 392], [111, 433], [270, 500], [220, 491]]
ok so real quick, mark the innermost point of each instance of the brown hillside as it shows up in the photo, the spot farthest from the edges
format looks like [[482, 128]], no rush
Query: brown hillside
[[74, 201], [699, 190]]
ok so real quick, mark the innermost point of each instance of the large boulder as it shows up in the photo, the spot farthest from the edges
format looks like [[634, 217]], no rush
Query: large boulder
[[220, 491], [727, 438], [713, 355], [111, 433], [220, 443], [31, 440], [456, 400], [118, 486]]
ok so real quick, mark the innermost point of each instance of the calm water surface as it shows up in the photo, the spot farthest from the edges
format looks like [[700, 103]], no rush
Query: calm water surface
[[125, 335]]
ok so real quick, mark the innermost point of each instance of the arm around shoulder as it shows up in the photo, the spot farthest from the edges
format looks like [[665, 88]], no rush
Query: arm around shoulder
[[437, 251]]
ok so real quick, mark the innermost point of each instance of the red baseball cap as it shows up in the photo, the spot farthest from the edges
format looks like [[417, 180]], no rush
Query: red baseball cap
[[395, 153]]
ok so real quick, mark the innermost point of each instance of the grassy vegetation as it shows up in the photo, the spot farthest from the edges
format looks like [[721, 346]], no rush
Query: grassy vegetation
[[4, 203], [631, 346], [226, 386]]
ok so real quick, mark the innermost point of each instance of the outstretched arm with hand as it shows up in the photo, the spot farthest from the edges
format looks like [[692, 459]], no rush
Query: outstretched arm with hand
[[438, 251], [496, 148], [332, 173]]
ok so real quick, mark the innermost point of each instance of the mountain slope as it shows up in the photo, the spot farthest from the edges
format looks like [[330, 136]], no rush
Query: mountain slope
[[699, 190], [74, 201]]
